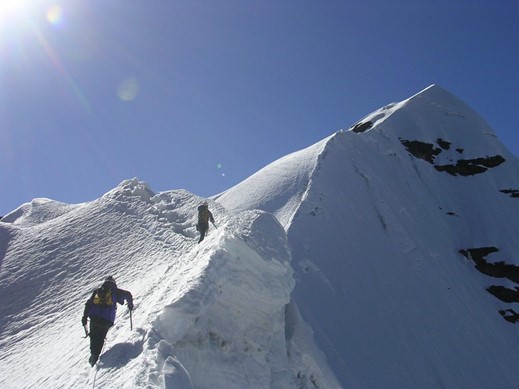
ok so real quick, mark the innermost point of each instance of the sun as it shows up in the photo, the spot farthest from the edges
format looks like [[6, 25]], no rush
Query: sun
[[13, 7], [15, 12], [12, 11]]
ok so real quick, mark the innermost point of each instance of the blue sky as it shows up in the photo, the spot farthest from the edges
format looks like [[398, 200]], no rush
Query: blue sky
[[199, 95]]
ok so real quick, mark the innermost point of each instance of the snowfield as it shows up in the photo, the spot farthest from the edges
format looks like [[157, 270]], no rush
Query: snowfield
[[206, 316], [384, 256]]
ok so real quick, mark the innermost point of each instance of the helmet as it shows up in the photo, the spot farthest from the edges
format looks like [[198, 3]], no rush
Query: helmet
[[110, 279], [205, 204]]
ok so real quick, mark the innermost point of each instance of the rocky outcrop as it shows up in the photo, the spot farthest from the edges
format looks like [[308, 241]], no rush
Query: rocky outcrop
[[497, 270], [361, 126], [470, 167], [463, 167], [511, 192]]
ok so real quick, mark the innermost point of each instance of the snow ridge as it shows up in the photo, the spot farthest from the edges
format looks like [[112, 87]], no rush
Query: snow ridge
[[206, 315], [406, 217], [235, 312], [382, 256], [279, 187]]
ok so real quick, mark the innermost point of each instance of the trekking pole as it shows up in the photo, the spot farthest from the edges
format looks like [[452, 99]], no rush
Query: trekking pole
[[131, 323]]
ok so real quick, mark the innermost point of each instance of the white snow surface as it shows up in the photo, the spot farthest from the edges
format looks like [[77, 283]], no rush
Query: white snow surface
[[209, 315], [337, 266], [375, 243]]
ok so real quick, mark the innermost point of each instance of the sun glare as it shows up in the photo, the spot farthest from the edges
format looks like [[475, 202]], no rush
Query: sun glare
[[10, 9], [13, 11]]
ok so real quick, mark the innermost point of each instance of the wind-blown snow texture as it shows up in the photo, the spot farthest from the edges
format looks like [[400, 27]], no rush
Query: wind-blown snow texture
[[370, 259], [206, 316]]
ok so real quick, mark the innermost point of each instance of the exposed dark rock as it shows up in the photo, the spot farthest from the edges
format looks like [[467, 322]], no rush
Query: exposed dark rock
[[470, 167], [478, 254], [511, 192], [463, 167], [361, 127], [497, 269], [443, 144], [450, 213], [504, 294], [422, 150], [510, 315]]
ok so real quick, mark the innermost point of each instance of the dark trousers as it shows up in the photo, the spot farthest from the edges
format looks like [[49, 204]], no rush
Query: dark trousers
[[98, 329], [202, 228]]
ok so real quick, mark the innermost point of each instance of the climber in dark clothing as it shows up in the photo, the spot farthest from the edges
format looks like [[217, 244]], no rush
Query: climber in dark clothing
[[204, 216], [101, 308]]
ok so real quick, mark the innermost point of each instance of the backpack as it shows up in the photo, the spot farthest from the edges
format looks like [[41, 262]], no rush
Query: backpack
[[103, 297], [203, 216]]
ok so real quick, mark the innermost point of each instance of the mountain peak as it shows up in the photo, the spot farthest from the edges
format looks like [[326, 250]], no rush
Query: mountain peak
[[396, 225], [432, 125], [398, 231], [432, 114], [435, 96], [432, 89], [431, 105]]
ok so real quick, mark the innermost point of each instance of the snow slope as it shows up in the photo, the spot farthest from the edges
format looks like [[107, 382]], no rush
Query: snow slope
[[376, 229], [384, 256], [206, 316]]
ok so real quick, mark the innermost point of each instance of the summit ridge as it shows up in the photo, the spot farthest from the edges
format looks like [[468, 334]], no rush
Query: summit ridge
[[383, 255]]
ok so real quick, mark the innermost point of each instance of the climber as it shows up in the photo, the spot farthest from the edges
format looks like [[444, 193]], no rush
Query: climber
[[101, 308], [204, 216]]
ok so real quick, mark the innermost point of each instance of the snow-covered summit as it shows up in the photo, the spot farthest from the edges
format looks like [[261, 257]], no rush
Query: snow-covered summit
[[432, 125], [431, 115], [382, 256], [397, 234]]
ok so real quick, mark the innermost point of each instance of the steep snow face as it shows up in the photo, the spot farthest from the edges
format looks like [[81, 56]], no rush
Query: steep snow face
[[400, 235], [435, 126], [209, 315], [277, 188], [396, 245]]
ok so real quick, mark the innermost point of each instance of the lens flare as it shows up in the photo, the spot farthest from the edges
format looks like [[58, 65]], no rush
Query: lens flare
[[219, 166], [55, 15], [58, 64], [23, 18], [128, 89]]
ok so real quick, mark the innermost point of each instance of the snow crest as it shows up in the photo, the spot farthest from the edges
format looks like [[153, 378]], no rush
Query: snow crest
[[206, 315], [384, 255], [288, 176], [227, 329]]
